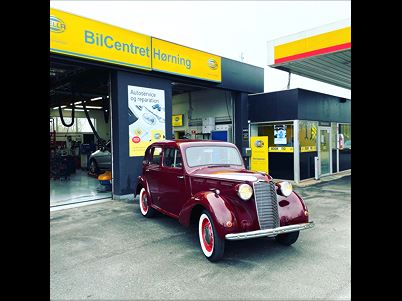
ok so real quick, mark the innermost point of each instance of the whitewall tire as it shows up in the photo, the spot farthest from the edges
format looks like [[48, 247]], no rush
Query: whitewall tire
[[211, 244], [146, 210]]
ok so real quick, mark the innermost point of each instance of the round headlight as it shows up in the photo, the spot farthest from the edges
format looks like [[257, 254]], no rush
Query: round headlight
[[245, 191], [285, 188]]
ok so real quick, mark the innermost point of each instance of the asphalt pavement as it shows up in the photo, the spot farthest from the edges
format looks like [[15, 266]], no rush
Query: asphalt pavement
[[109, 251]]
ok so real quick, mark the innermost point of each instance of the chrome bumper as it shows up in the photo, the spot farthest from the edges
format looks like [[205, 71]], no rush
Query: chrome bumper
[[269, 232]]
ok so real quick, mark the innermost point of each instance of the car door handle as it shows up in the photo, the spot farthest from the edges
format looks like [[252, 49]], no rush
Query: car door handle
[[180, 177]]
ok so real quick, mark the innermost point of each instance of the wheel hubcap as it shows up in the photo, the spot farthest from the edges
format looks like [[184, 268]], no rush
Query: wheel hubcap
[[144, 204], [207, 235]]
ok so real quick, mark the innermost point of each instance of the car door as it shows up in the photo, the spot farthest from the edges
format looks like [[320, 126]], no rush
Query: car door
[[152, 173], [172, 184]]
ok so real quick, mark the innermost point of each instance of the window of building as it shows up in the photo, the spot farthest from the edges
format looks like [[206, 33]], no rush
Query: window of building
[[334, 135], [280, 134], [308, 131], [346, 131]]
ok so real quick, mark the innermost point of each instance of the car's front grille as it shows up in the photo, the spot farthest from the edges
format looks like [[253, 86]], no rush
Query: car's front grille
[[266, 204]]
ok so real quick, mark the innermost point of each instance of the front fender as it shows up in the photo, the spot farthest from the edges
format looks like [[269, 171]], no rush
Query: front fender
[[292, 210], [221, 211], [142, 182]]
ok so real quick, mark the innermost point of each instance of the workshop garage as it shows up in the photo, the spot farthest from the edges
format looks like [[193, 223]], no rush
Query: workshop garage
[[79, 126], [124, 90]]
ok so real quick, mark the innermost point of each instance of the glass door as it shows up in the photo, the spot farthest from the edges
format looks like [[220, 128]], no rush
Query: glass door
[[324, 150]]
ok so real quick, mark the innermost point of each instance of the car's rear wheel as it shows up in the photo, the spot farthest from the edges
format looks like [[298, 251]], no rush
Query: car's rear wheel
[[287, 239], [93, 167], [212, 245], [146, 210]]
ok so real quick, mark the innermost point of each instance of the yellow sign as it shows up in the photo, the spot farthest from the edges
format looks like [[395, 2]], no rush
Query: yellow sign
[[82, 37], [138, 149], [177, 120], [176, 59], [90, 39], [259, 153], [305, 149], [281, 149], [318, 43]]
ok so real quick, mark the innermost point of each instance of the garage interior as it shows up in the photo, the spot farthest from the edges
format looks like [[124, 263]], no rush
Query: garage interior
[[74, 87], [207, 113]]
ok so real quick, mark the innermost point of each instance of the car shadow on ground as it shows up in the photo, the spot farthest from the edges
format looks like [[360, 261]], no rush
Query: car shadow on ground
[[241, 252]]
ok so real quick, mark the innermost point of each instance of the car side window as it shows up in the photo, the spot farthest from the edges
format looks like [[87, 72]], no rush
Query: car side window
[[172, 158], [178, 161], [168, 158], [156, 156]]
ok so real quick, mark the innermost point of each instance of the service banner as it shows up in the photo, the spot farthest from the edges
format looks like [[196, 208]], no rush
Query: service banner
[[259, 153], [176, 59], [82, 37], [146, 112]]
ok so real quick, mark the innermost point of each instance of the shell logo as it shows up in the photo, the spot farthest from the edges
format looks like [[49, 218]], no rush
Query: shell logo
[[212, 64], [57, 25]]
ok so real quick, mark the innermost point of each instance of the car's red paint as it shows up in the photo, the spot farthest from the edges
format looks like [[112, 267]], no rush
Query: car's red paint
[[178, 191]]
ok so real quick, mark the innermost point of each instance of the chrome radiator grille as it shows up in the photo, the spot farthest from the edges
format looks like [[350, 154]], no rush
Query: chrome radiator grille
[[266, 204]]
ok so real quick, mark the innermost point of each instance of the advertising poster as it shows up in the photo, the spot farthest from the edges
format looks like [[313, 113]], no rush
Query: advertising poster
[[259, 153], [280, 134], [146, 118]]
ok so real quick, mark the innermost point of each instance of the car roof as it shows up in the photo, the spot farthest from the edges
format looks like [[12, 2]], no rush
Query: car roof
[[191, 142]]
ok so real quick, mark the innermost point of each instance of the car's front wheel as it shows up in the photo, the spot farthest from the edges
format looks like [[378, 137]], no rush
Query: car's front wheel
[[93, 167], [146, 210], [212, 245], [287, 239]]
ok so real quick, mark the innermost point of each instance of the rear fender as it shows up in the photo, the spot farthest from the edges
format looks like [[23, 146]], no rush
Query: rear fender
[[220, 209]]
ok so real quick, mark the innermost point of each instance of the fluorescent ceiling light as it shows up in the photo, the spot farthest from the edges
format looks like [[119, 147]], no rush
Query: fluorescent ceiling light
[[77, 102], [96, 98], [55, 108], [75, 109], [90, 107]]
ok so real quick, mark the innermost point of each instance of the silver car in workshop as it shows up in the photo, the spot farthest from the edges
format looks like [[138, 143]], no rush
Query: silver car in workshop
[[101, 159]]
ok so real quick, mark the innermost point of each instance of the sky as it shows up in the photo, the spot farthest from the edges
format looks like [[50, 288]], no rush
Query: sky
[[236, 30]]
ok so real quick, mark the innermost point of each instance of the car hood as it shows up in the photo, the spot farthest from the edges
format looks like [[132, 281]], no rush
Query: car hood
[[95, 153], [230, 174]]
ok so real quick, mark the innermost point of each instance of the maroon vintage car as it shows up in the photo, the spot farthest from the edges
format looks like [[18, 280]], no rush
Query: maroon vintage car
[[206, 182]]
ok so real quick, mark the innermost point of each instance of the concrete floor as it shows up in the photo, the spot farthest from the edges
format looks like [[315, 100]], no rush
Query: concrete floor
[[79, 188], [109, 251]]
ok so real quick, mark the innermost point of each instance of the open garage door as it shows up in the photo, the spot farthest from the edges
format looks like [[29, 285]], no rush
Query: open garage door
[[80, 139], [202, 113]]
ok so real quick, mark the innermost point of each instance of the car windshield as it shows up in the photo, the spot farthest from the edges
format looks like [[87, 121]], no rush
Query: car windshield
[[212, 155]]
